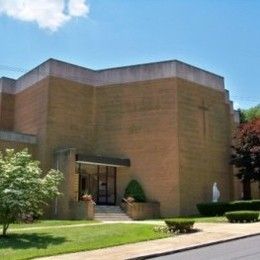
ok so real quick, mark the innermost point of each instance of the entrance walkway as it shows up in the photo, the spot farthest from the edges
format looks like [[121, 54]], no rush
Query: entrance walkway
[[210, 233]]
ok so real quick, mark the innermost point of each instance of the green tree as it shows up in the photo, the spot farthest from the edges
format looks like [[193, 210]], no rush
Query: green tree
[[246, 154], [247, 115], [23, 187]]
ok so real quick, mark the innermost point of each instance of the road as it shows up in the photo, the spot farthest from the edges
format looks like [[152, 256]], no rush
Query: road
[[246, 248]]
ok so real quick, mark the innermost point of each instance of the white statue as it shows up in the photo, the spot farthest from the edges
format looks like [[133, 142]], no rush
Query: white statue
[[215, 193]]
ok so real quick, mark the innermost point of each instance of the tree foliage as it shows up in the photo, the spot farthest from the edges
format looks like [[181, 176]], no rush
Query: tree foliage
[[247, 115], [23, 188], [246, 154]]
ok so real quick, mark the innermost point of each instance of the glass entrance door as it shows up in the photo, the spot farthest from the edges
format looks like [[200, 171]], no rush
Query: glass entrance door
[[106, 192]]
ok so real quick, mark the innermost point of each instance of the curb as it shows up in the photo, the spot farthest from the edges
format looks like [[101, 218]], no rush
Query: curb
[[175, 251]]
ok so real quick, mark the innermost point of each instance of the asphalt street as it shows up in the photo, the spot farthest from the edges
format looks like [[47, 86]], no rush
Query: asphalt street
[[246, 248]]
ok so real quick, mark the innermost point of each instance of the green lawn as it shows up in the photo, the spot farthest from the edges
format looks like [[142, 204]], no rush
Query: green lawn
[[201, 219], [26, 244], [45, 223]]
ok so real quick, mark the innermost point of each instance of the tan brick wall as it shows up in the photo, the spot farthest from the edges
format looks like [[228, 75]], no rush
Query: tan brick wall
[[156, 124], [6, 111], [70, 117], [138, 121], [204, 157], [31, 110], [17, 146]]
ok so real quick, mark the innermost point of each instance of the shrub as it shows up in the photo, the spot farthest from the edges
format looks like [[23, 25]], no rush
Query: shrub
[[135, 190], [244, 205], [179, 225], [255, 205], [212, 208], [219, 208], [242, 216]]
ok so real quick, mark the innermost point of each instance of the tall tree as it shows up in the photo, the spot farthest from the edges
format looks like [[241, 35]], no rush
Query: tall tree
[[246, 154], [23, 188]]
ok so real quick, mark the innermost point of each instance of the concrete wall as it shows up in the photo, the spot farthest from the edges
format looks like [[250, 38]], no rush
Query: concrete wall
[[119, 75], [65, 162]]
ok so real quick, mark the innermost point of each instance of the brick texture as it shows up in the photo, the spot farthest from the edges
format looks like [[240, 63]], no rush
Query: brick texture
[[176, 133], [6, 111]]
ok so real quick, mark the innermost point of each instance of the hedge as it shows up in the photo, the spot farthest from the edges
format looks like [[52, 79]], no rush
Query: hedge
[[219, 208], [179, 225], [242, 216], [244, 205], [213, 208]]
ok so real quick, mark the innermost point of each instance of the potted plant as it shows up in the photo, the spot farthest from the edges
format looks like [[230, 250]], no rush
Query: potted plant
[[86, 196], [130, 199]]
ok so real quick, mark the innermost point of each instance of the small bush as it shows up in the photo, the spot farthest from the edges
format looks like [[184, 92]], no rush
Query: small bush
[[242, 216], [179, 225], [212, 208], [135, 190]]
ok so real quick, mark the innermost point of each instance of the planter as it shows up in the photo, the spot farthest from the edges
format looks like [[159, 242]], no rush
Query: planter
[[86, 197], [82, 210], [142, 210]]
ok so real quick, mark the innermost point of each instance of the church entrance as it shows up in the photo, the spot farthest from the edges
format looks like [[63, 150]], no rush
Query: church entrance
[[106, 190], [97, 177], [100, 182]]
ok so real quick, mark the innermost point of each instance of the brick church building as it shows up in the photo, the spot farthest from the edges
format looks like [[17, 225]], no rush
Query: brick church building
[[166, 124]]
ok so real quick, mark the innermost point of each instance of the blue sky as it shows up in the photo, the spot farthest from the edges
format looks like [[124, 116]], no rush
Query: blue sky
[[222, 36]]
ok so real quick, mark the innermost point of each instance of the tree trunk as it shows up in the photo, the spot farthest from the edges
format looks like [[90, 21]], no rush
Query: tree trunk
[[247, 190], [5, 227]]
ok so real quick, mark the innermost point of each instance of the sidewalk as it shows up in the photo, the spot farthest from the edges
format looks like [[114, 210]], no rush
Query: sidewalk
[[210, 233]]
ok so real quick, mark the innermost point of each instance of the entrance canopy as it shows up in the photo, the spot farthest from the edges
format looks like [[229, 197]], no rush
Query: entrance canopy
[[103, 161]]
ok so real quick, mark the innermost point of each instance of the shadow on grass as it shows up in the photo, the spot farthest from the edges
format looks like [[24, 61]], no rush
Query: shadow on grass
[[32, 240]]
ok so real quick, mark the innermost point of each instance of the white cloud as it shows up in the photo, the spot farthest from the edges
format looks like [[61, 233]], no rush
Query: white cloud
[[78, 8], [48, 14], [236, 105]]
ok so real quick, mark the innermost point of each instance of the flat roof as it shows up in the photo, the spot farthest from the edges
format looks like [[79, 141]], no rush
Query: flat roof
[[117, 75]]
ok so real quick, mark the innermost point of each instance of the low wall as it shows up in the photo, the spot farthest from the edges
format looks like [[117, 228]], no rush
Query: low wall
[[142, 210], [82, 210]]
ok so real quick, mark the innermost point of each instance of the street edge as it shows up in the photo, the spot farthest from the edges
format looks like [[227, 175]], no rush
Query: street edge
[[175, 251]]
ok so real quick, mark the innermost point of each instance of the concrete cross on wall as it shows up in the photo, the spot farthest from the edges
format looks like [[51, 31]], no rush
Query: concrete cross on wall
[[204, 109]]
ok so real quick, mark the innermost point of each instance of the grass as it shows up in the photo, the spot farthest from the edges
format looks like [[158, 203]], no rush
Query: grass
[[26, 244], [46, 223], [201, 219], [198, 219]]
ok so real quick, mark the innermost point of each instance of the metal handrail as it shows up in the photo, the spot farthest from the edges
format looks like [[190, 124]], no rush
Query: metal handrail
[[127, 202]]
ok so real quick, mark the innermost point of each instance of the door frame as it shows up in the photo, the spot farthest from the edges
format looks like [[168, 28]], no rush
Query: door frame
[[114, 184]]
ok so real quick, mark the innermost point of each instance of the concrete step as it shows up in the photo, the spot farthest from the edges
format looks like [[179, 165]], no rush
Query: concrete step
[[111, 218], [108, 209], [110, 213]]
